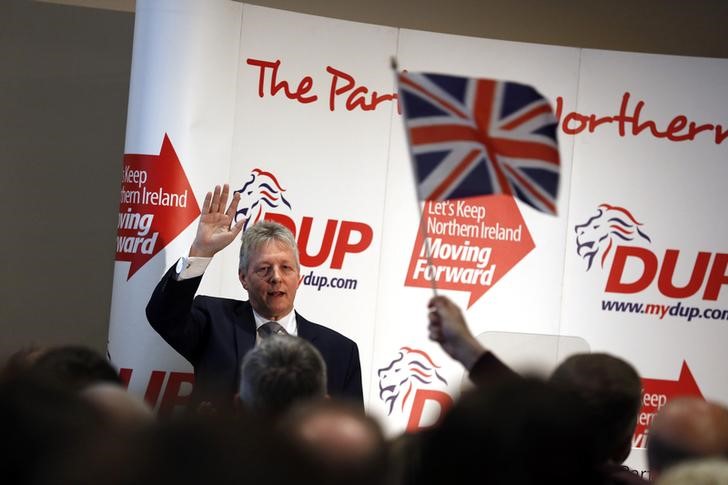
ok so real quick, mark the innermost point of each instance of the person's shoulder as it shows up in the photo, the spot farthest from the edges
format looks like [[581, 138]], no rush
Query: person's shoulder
[[216, 299], [207, 301], [323, 331]]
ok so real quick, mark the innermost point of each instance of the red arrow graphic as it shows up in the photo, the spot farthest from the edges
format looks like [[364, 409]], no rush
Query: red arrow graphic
[[473, 244], [156, 205], [656, 393]]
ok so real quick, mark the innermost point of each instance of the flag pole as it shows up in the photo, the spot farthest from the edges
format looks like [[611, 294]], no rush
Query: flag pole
[[422, 224]]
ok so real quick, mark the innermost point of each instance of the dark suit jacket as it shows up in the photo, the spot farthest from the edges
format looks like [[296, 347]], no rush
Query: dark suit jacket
[[214, 334], [489, 369]]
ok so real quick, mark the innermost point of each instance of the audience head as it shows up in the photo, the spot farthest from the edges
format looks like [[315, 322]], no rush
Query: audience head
[[517, 432], [74, 367], [279, 372], [686, 428], [186, 450], [405, 456], [121, 409], [702, 471], [612, 390], [340, 441], [20, 362], [40, 422]]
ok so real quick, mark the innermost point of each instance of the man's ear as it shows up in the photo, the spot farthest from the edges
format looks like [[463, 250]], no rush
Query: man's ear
[[237, 403], [243, 281]]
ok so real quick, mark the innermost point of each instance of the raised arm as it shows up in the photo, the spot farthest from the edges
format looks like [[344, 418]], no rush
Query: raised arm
[[449, 328], [170, 310], [216, 229]]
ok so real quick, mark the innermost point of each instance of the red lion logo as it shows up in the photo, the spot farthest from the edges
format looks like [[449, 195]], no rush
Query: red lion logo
[[412, 368], [261, 191], [597, 235]]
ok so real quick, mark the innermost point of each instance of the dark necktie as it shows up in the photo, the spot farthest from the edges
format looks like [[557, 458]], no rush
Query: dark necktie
[[271, 328]]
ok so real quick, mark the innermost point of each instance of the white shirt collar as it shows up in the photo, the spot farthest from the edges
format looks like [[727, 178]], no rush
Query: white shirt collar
[[288, 322]]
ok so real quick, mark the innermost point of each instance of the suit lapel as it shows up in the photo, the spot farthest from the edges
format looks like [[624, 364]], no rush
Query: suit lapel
[[306, 330], [244, 328]]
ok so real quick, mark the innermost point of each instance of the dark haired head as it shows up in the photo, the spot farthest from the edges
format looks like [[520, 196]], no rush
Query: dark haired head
[[75, 367], [611, 389], [40, 421], [521, 431]]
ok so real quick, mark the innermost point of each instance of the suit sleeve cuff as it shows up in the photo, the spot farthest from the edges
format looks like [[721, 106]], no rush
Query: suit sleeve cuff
[[189, 267]]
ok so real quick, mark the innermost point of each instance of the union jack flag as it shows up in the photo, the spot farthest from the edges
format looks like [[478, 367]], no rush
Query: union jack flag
[[472, 137]]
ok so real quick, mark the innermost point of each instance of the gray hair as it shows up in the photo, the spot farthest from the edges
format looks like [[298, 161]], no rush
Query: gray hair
[[262, 233], [280, 371]]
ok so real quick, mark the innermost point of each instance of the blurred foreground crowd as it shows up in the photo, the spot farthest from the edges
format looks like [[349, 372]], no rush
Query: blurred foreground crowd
[[67, 418]]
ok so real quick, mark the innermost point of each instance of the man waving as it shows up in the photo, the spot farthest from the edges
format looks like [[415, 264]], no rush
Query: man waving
[[214, 334]]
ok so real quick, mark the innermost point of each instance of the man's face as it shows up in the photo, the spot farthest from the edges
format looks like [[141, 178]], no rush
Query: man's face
[[271, 280]]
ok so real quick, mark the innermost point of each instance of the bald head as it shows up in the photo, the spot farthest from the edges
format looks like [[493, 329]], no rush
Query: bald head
[[687, 427], [701, 471], [340, 440], [339, 436], [120, 408]]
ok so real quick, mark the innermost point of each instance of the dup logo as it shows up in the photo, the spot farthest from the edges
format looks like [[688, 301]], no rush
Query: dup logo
[[604, 231], [615, 239], [409, 383], [262, 197]]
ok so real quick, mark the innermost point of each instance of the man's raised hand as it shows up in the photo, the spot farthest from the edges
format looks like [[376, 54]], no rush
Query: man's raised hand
[[216, 229]]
